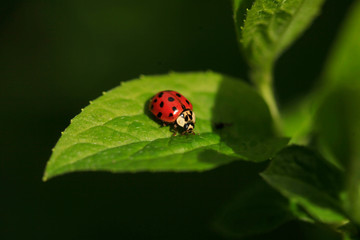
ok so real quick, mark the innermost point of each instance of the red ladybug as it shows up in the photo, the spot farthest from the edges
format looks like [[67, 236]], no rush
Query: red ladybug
[[173, 108]]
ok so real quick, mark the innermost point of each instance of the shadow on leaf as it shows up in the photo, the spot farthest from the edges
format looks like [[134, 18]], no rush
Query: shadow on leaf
[[242, 120]]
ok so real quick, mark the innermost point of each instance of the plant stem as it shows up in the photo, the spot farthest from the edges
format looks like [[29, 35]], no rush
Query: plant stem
[[264, 84]]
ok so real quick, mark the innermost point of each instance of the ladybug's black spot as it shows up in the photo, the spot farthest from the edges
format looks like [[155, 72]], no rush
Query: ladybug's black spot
[[171, 99], [183, 107], [186, 118], [152, 106], [155, 100], [161, 104], [190, 117], [174, 109], [187, 102], [160, 94], [178, 95], [170, 115], [159, 114], [191, 112]]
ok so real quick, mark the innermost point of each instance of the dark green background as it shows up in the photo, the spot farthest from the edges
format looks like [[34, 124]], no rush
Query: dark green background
[[55, 56]]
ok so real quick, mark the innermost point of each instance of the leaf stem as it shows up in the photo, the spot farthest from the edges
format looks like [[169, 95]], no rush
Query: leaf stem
[[263, 80]]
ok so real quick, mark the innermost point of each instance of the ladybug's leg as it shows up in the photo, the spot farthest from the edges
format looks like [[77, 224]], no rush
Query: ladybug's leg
[[163, 124], [174, 129]]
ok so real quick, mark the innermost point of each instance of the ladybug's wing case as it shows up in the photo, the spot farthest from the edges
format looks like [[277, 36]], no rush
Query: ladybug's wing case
[[166, 106], [183, 100]]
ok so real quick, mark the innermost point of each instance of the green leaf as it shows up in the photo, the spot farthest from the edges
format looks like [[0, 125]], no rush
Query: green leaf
[[341, 68], [309, 180], [337, 125], [256, 209], [117, 133], [347, 236], [343, 63], [239, 9], [349, 231], [338, 119], [338, 128], [298, 120], [272, 25]]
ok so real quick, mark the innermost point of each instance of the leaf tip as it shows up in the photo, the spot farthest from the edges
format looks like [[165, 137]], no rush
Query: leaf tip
[[44, 178], [263, 174]]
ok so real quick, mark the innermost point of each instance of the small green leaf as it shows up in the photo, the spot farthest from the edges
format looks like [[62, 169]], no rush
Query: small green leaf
[[117, 133], [255, 210], [272, 25], [307, 179]]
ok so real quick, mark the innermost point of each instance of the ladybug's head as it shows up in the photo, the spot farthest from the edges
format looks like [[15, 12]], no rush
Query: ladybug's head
[[186, 120]]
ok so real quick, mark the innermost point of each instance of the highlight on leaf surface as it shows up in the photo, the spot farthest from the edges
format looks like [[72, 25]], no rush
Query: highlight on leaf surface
[[117, 133]]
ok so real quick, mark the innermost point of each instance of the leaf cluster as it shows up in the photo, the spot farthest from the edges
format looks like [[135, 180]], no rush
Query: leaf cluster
[[313, 146]]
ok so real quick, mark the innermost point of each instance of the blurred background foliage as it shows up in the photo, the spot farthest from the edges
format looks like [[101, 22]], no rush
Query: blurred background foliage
[[57, 55]]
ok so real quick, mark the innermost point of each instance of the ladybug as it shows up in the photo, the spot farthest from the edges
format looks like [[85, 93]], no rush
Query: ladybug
[[171, 107]]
